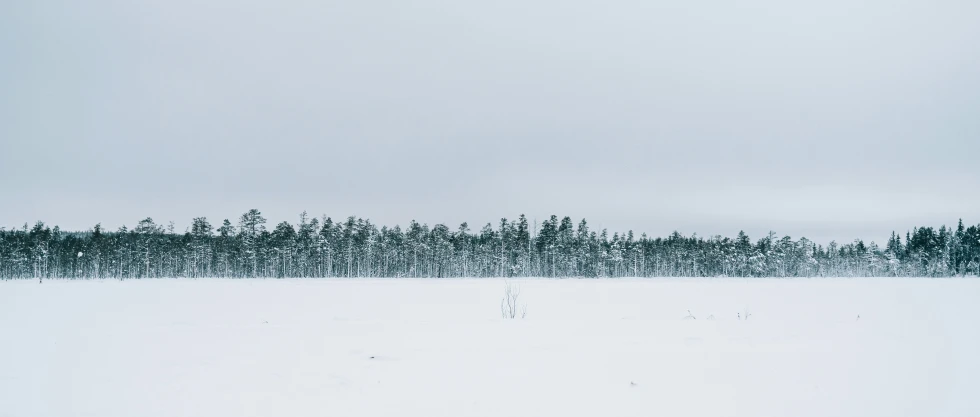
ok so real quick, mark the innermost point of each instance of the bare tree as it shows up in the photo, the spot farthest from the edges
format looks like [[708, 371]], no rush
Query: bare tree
[[509, 304]]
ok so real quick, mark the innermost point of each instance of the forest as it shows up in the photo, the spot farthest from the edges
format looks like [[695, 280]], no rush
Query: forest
[[355, 247]]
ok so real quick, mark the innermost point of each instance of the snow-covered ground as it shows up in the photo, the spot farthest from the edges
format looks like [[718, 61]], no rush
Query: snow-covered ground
[[440, 348]]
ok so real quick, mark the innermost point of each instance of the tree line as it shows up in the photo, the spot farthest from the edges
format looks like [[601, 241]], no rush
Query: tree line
[[355, 247]]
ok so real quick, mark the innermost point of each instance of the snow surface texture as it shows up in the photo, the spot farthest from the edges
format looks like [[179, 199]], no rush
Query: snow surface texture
[[440, 348]]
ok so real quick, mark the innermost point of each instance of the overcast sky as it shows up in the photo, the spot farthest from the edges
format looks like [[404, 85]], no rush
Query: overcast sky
[[827, 119]]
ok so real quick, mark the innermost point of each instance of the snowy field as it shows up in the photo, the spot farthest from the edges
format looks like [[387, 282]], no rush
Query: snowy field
[[440, 348]]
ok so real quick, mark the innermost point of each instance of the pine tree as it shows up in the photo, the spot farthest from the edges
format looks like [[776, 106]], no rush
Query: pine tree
[[201, 231], [251, 226]]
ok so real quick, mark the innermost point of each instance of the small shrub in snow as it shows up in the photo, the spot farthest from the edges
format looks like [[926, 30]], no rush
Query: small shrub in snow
[[509, 304]]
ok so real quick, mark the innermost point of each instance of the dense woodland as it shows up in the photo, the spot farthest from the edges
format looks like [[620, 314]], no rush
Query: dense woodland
[[558, 248]]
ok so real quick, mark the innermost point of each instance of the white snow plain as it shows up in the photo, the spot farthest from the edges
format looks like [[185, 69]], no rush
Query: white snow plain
[[439, 347]]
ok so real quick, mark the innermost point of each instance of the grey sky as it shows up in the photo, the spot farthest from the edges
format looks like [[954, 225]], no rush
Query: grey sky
[[832, 119]]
